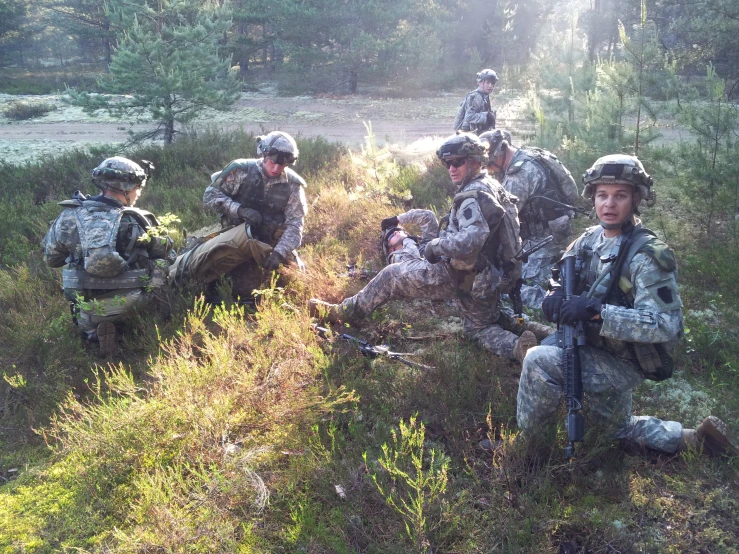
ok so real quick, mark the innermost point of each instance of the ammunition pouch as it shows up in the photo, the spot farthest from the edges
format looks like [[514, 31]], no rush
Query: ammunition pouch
[[655, 363]]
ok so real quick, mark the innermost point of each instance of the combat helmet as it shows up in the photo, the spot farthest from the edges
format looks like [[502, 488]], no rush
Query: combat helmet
[[121, 174], [619, 168], [278, 144], [495, 140], [463, 145], [487, 75]]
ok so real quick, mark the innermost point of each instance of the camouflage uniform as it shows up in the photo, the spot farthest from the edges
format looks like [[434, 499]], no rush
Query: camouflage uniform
[[112, 265], [414, 277], [525, 178], [610, 369], [475, 107], [282, 208]]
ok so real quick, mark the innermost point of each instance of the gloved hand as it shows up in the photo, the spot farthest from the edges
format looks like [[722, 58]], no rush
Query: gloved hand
[[274, 261], [552, 304], [249, 215], [389, 222], [579, 308], [491, 120], [430, 252]]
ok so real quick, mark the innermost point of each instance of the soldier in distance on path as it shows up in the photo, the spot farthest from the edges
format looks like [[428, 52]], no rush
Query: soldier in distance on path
[[115, 260], [456, 262], [474, 114], [632, 312], [546, 193], [263, 207]]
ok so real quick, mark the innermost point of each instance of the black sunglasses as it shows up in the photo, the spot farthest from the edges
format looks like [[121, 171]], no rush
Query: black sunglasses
[[282, 158], [456, 162]]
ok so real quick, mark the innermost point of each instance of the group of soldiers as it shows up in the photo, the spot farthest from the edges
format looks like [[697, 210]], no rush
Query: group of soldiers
[[510, 221]]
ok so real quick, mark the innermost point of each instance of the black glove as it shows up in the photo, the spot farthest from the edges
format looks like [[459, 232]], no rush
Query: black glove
[[389, 222], [491, 120], [579, 308], [249, 215], [552, 304], [430, 253], [274, 261]]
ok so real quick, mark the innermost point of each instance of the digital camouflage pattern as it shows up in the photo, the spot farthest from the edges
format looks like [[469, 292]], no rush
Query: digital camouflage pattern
[[280, 201], [473, 113], [609, 366], [100, 241], [414, 277]]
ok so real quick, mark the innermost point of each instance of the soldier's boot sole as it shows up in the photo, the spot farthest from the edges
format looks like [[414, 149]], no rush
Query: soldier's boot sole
[[325, 311], [525, 341], [714, 436], [107, 339], [540, 330]]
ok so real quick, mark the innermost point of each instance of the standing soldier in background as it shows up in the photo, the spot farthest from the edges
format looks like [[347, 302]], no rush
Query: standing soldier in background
[[546, 195], [470, 261], [115, 260], [631, 310], [263, 207], [474, 114]]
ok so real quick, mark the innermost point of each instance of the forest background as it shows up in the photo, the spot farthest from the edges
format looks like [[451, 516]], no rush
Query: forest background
[[237, 429]]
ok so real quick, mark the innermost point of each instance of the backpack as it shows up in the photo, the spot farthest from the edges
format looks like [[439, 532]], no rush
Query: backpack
[[556, 172]]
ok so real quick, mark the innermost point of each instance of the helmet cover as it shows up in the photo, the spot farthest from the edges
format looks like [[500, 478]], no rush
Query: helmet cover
[[487, 75], [278, 143], [120, 173], [463, 145], [495, 139], [619, 168]]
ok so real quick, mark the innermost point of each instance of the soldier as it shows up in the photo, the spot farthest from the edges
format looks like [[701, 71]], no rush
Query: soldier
[[463, 263], [262, 205], [115, 259], [546, 195], [631, 308], [474, 114]]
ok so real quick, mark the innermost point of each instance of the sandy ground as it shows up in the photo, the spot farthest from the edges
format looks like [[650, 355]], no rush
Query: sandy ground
[[416, 124]]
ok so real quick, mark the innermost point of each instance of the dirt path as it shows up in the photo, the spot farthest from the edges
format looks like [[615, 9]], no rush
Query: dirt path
[[403, 121]]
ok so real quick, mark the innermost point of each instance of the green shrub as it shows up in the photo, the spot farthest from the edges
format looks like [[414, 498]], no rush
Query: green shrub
[[20, 110]]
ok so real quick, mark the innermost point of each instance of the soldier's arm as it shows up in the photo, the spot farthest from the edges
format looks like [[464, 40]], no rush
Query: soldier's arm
[[657, 313], [424, 219], [523, 183], [295, 212], [476, 113], [219, 196], [469, 238], [59, 240]]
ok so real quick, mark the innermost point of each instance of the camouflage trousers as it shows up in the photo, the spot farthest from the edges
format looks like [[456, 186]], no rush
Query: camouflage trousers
[[607, 382], [417, 278], [537, 271]]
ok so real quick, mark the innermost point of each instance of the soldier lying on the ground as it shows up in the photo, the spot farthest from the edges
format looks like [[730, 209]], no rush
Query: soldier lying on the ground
[[468, 263]]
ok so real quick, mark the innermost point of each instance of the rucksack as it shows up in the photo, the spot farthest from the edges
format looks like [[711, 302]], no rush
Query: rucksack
[[556, 173]]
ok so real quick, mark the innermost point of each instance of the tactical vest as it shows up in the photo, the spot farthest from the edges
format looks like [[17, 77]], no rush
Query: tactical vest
[[462, 111], [97, 264], [614, 287], [546, 202], [498, 207], [269, 201]]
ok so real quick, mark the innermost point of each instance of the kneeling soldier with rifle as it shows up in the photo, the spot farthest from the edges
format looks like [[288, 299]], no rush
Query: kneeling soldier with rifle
[[620, 319]]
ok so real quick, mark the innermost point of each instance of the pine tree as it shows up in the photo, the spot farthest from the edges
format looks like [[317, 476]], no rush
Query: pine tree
[[168, 65]]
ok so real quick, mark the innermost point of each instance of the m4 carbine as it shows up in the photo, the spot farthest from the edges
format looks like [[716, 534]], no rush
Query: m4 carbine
[[570, 338]]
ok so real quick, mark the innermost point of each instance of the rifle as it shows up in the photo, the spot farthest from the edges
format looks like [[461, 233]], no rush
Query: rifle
[[570, 338], [515, 294], [353, 272], [370, 350]]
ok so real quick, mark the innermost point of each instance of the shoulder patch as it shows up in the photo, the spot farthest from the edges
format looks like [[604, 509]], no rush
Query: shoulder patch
[[515, 167]]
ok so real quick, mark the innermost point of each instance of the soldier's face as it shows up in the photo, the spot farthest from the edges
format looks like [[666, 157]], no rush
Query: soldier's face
[[271, 168], [614, 203], [458, 169], [487, 86]]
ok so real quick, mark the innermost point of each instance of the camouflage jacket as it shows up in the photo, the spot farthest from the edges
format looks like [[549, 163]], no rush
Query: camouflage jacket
[[280, 201], [649, 310], [476, 107], [79, 237]]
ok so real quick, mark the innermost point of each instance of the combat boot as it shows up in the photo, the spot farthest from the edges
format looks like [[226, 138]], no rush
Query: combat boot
[[325, 311], [712, 436], [525, 341], [540, 330], [106, 336]]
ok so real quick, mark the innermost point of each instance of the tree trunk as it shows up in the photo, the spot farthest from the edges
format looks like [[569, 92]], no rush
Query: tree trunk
[[353, 78], [169, 131]]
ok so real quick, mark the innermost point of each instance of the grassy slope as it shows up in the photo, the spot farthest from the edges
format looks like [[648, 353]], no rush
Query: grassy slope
[[228, 431]]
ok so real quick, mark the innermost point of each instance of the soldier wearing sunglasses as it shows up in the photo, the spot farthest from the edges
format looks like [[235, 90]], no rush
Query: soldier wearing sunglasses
[[263, 200]]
